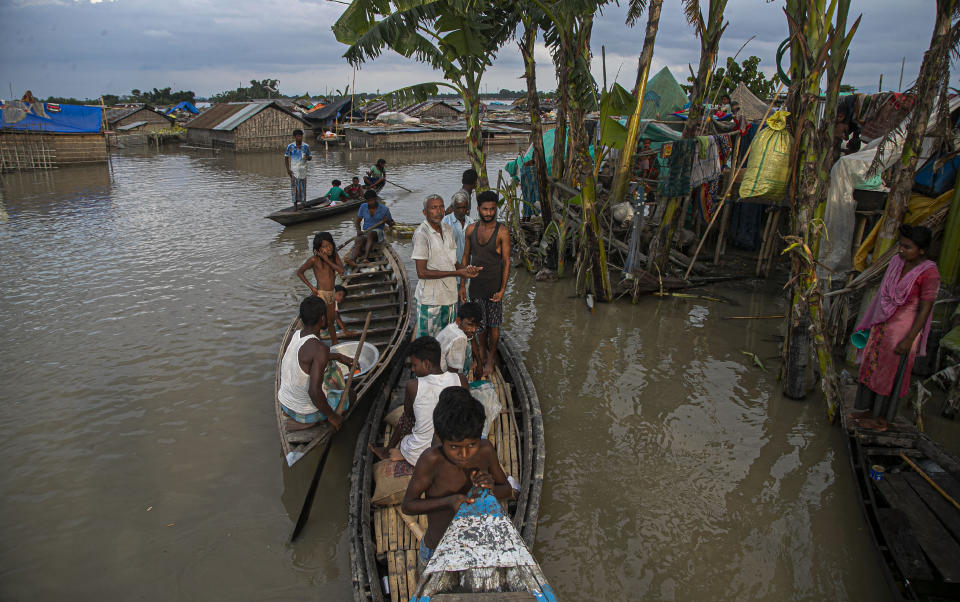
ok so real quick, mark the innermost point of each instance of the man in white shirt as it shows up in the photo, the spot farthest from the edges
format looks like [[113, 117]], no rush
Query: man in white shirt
[[435, 255]]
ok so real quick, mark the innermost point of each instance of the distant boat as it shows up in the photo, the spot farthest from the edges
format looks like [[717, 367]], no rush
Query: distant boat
[[317, 208]]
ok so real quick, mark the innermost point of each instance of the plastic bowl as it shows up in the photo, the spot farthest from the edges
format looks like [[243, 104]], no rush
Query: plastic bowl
[[368, 357]]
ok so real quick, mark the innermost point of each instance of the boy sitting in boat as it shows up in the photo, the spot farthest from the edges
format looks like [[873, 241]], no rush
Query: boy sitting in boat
[[414, 432], [448, 471], [354, 190], [458, 342], [335, 194], [307, 366], [370, 221], [326, 264]]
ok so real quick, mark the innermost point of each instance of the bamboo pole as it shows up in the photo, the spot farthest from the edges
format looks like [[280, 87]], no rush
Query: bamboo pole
[[927, 478]]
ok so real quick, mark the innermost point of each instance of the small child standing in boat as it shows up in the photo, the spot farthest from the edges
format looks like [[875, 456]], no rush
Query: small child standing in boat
[[446, 473], [340, 293], [307, 366], [326, 264]]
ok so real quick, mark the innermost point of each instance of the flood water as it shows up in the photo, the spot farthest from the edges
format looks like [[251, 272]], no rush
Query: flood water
[[142, 309]]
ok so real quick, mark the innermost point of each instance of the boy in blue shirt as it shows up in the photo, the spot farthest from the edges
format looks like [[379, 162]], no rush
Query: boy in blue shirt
[[295, 158], [335, 193], [370, 222]]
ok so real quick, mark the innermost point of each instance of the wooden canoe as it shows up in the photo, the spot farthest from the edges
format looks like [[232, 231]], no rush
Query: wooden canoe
[[383, 547], [381, 286], [317, 208], [915, 528]]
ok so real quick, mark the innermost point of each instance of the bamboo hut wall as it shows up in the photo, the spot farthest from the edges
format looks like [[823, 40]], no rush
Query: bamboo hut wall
[[269, 129], [21, 151]]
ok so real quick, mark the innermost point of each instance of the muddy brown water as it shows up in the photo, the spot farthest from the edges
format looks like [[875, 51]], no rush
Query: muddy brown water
[[142, 308]]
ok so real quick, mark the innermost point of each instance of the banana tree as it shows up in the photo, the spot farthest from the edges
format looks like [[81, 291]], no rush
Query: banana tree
[[622, 176], [931, 85], [709, 28], [527, 46], [458, 38], [819, 41], [569, 26]]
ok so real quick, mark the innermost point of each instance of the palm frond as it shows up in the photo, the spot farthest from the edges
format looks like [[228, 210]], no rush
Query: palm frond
[[691, 10], [412, 94], [635, 10]]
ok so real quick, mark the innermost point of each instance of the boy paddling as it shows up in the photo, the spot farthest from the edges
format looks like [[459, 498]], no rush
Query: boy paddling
[[306, 366], [448, 471]]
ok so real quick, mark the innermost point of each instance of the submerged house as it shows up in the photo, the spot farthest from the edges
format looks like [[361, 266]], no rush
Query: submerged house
[[432, 109], [245, 126], [143, 119], [46, 135]]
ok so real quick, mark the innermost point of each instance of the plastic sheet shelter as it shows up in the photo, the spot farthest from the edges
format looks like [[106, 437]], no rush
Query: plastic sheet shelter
[[663, 96], [53, 118], [185, 106], [751, 107], [845, 175]]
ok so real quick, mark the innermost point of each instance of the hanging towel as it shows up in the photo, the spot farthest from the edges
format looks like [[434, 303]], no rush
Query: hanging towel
[[676, 181]]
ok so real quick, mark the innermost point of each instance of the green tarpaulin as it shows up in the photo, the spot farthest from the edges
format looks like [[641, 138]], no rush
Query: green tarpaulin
[[663, 96], [657, 133]]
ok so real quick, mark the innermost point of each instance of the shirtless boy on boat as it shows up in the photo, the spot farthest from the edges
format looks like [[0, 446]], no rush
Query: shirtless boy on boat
[[307, 363], [447, 472], [326, 264]]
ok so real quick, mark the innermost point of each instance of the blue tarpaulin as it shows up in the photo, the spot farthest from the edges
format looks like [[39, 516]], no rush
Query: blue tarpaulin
[[186, 106], [65, 119]]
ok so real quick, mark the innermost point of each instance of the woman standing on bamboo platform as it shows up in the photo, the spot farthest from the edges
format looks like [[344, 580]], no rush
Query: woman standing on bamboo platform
[[899, 322]]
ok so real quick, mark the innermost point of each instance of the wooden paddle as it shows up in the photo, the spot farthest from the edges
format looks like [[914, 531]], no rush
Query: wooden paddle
[[362, 233], [312, 491], [397, 185]]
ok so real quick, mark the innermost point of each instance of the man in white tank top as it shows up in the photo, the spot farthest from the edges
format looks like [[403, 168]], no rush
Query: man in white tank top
[[414, 432], [306, 365]]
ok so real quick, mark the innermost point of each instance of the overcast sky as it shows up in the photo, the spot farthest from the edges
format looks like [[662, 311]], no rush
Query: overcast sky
[[85, 48]]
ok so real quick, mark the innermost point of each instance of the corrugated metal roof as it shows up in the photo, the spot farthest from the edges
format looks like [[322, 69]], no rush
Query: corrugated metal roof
[[215, 115], [131, 126], [452, 127], [246, 112]]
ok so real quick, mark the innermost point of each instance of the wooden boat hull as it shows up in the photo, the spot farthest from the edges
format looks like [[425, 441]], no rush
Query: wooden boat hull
[[915, 529], [382, 546], [316, 209], [384, 291]]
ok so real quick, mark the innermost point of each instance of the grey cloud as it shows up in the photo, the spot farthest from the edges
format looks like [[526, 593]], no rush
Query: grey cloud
[[56, 48]]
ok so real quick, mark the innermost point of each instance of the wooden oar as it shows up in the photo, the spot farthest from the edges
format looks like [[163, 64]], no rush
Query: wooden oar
[[397, 185], [312, 491]]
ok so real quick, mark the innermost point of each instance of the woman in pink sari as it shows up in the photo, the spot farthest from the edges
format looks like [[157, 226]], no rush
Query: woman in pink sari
[[899, 322]]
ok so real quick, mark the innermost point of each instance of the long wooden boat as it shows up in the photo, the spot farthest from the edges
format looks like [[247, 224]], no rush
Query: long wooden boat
[[381, 287], [317, 208], [384, 547], [915, 527]]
